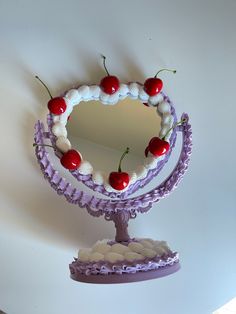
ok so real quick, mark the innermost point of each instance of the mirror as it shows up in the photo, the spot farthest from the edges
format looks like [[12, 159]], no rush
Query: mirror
[[102, 132]]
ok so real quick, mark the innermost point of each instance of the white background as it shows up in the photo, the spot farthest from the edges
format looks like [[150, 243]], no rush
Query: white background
[[40, 233]]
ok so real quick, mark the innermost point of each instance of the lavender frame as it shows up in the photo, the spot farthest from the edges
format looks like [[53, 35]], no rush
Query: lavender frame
[[119, 210], [99, 206]]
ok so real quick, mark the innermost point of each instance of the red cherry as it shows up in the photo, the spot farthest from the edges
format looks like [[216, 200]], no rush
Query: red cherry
[[153, 86], [158, 147], [71, 160], [110, 84], [119, 180], [57, 105]]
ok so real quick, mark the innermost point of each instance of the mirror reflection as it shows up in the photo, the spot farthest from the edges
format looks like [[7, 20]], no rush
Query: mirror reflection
[[99, 131]]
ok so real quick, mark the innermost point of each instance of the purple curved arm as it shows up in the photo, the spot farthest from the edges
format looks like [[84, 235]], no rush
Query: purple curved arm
[[99, 206], [152, 173]]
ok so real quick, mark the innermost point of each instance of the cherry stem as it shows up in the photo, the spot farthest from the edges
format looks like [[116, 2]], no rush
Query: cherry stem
[[104, 64], [169, 70], [44, 86], [173, 127], [122, 157], [36, 145]]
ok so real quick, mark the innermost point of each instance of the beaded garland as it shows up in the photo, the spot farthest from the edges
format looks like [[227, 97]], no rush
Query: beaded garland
[[87, 93]]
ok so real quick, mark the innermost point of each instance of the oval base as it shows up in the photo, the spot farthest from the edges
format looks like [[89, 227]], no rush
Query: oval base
[[126, 278]]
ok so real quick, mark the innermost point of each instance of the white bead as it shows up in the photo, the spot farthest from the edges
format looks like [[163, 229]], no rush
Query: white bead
[[123, 90], [154, 100], [104, 97], [156, 242], [164, 130], [59, 129], [135, 247], [114, 257], [141, 172], [133, 177], [159, 250], [161, 244], [98, 177], [132, 256], [150, 240], [84, 91], [121, 97], [143, 95], [102, 248], [150, 162], [168, 125], [63, 144], [148, 252], [64, 117], [134, 89], [167, 119], [146, 244], [69, 107], [164, 245], [165, 248], [96, 257], [55, 118], [95, 91], [113, 99], [88, 96], [85, 167], [163, 107], [73, 96], [119, 248], [84, 255]]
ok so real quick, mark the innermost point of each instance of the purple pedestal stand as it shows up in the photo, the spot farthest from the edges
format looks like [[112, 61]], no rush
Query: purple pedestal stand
[[118, 208]]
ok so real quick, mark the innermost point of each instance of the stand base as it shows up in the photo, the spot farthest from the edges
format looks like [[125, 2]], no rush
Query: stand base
[[126, 278]]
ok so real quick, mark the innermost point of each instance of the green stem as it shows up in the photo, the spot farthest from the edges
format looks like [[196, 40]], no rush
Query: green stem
[[173, 127], [44, 86], [122, 157], [104, 64], [169, 70]]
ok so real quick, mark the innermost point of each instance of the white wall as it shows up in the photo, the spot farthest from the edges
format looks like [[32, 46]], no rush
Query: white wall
[[40, 232]]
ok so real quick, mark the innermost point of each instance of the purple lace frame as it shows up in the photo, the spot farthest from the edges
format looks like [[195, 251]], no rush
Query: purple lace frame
[[97, 206]]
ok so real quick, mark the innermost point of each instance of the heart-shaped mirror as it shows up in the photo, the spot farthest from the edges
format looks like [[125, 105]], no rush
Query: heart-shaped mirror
[[129, 118]]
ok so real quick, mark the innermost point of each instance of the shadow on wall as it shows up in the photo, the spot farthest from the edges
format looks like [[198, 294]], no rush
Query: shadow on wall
[[33, 206]]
